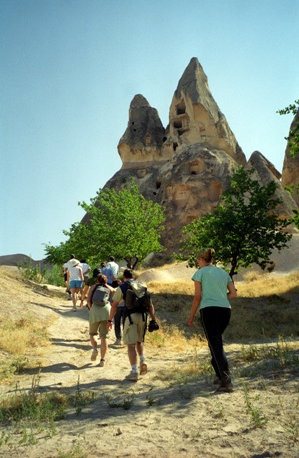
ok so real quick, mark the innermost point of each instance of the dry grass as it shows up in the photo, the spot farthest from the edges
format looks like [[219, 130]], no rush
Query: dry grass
[[256, 284], [20, 336], [193, 368], [266, 307], [171, 338], [23, 332]]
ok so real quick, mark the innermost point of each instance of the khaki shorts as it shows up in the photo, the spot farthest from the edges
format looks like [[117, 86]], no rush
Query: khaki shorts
[[98, 326], [134, 333]]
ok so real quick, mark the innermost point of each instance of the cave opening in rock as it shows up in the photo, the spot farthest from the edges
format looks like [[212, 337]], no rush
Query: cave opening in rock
[[177, 124]]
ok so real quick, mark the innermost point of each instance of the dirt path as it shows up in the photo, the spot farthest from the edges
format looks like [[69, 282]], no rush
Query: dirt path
[[152, 417]]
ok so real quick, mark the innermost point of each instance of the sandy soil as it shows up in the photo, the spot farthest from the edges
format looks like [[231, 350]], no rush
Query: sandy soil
[[164, 420]]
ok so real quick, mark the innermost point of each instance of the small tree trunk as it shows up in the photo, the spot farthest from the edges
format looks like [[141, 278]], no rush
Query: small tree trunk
[[129, 263], [233, 267], [135, 263]]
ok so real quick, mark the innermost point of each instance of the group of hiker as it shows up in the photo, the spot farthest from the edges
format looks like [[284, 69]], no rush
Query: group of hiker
[[127, 304], [106, 301]]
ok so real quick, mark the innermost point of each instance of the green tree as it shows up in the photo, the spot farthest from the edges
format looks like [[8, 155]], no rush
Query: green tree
[[293, 138], [243, 229], [122, 223]]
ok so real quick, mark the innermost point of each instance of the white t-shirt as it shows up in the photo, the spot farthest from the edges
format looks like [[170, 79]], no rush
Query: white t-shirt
[[114, 267], [85, 268], [75, 272], [67, 265]]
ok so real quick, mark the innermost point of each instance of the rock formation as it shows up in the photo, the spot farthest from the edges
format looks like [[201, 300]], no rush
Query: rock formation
[[194, 116], [187, 166], [290, 170], [143, 139], [266, 172]]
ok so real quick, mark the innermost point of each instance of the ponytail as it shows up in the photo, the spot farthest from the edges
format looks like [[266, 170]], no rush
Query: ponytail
[[207, 254]]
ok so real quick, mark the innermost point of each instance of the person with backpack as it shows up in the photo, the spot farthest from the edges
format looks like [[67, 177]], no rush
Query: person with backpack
[[137, 307], [99, 309], [213, 289], [89, 282]]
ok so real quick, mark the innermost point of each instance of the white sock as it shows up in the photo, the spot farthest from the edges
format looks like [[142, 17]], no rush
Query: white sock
[[142, 358], [134, 368]]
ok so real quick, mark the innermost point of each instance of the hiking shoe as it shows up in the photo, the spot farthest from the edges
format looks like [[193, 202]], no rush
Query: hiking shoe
[[94, 355], [132, 376], [102, 362], [117, 342], [143, 368], [216, 381], [74, 308], [225, 388]]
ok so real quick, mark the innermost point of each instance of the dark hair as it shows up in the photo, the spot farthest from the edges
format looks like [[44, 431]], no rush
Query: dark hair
[[83, 260], [102, 279], [128, 273], [72, 256], [111, 258], [95, 273], [207, 254], [103, 264]]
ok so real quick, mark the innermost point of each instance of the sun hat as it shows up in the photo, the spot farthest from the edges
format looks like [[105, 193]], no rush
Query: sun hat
[[74, 262]]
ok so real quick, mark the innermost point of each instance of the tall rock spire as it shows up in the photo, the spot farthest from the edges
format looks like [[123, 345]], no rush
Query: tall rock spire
[[143, 138], [194, 116]]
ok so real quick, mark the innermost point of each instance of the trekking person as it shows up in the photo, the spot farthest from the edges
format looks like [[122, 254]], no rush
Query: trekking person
[[88, 283], [119, 320], [75, 279], [111, 264], [85, 269], [134, 327], [107, 271], [99, 309], [213, 287], [65, 277]]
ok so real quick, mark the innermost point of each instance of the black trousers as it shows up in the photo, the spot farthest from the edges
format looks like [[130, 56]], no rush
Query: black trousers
[[119, 318], [214, 321]]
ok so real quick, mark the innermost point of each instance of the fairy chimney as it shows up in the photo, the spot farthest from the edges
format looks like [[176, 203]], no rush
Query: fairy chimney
[[194, 116]]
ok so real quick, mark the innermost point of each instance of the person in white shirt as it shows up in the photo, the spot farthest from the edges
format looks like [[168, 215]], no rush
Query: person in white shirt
[[75, 279], [111, 264], [65, 277]]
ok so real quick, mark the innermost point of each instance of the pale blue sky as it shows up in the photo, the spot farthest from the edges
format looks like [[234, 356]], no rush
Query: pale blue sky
[[70, 68]]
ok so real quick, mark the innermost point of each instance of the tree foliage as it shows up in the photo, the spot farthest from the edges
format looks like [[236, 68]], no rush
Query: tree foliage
[[243, 229], [122, 223], [293, 138]]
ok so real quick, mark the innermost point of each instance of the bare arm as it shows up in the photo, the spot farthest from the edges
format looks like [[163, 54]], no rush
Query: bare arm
[[232, 292], [195, 303], [151, 311], [81, 274]]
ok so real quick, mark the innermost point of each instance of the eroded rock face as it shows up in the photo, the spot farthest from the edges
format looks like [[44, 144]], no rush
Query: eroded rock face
[[143, 139], [187, 166], [195, 117], [266, 172], [290, 170], [188, 185]]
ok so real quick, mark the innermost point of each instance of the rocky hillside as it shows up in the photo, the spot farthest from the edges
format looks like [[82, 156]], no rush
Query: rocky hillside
[[187, 165]]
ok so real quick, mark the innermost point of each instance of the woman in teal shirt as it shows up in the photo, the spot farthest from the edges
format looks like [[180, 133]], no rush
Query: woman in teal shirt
[[213, 287]]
